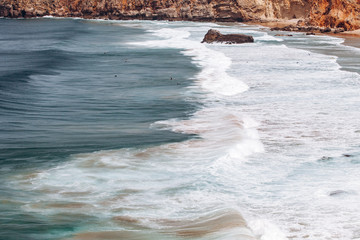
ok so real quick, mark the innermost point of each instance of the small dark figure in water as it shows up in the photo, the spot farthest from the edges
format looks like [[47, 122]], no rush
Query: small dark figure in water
[[337, 193]]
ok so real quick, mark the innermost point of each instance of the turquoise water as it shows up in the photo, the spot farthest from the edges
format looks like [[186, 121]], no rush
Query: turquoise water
[[136, 130], [72, 86]]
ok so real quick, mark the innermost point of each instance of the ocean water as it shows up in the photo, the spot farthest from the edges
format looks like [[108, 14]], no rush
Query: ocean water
[[136, 130]]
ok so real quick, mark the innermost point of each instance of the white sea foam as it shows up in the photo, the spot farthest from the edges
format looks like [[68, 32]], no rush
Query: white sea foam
[[213, 76], [301, 187], [168, 182], [221, 124], [329, 40], [265, 230], [305, 104], [267, 37]]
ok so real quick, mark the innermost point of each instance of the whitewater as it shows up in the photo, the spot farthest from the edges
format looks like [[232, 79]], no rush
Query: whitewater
[[273, 152]]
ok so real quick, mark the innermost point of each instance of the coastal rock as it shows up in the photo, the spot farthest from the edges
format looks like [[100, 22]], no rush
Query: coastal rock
[[323, 13], [336, 14], [215, 36], [195, 10]]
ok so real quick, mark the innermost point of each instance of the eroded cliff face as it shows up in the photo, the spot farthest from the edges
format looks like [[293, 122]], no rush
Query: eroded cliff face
[[336, 13], [196, 10], [344, 13]]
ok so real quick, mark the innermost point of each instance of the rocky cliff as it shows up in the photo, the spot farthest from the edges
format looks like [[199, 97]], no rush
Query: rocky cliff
[[336, 13], [332, 13]]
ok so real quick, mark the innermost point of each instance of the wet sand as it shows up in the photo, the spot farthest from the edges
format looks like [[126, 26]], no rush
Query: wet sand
[[352, 38]]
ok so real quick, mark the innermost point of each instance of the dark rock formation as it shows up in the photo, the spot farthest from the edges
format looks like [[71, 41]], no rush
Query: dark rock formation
[[215, 36]]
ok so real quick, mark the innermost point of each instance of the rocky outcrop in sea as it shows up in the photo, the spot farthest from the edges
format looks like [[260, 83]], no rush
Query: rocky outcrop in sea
[[215, 36]]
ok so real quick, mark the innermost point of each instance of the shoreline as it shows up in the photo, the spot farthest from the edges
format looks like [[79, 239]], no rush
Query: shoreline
[[351, 38]]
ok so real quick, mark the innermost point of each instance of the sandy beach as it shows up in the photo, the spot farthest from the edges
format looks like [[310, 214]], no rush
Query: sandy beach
[[352, 38]]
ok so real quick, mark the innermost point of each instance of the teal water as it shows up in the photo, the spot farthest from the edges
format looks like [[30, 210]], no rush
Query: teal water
[[136, 130], [73, 86], [70, 86]]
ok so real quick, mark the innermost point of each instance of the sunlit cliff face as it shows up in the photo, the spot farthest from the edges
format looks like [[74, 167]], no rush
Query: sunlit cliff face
[[325, 13], [336, 13]]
